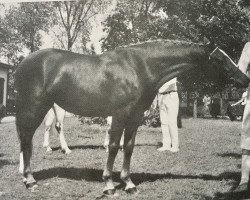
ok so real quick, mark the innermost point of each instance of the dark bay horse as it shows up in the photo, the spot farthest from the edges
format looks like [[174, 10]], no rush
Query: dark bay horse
[[120, 83]]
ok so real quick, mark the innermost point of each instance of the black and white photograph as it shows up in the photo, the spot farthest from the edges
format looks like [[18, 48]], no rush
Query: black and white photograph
[[124, 99]]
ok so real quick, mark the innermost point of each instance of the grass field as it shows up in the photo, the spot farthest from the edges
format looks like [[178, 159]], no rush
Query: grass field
[[207, 166]]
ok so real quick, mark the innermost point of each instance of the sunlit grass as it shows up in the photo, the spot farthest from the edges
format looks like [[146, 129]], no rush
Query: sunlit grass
[[207, 166]]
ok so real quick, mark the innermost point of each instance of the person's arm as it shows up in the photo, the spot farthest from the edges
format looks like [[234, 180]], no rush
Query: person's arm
[[238, 102]]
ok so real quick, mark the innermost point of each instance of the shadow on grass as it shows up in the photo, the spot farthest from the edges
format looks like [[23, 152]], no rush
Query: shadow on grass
[[80, 147], [233, 155], [6, 162], [95, 146], [231, 195], [138, 178]]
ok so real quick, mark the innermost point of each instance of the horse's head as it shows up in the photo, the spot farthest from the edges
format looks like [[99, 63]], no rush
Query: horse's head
[[229, 69]]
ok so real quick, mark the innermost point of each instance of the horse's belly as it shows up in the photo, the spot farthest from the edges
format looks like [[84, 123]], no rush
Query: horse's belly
[[93, 105]]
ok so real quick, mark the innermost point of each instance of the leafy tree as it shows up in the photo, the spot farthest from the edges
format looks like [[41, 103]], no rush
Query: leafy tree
[[220, 21], [26, 22], [131, 22], [74, 18], [119, 33], [243, 3]]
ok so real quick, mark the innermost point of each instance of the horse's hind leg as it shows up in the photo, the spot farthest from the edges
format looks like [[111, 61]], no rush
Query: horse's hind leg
[[29, 116], [60, 114], [48, 125]]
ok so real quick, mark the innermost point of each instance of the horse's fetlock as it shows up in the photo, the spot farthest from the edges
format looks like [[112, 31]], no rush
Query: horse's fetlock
[[124, 176], [106, 177]]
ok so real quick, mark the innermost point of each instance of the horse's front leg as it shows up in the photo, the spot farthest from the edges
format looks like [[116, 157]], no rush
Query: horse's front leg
[[129, 142], [115, 133]]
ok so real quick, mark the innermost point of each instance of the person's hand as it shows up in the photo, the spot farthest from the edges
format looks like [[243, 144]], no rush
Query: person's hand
[[146, 113], [233, 104]]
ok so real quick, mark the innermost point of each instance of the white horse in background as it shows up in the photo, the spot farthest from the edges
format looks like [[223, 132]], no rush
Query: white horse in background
[[58, 113]]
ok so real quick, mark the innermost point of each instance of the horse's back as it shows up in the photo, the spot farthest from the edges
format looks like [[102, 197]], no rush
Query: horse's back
[[95, 83]]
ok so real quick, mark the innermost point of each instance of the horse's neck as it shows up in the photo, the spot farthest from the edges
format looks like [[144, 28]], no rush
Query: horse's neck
[[171, 62], [172, 72]]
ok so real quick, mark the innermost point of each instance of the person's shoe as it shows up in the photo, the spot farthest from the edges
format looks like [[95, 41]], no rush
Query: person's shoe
[[174, 149], [164, 149]]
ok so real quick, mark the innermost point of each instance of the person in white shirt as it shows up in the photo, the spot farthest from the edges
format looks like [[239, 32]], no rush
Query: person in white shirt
[[168, 102]]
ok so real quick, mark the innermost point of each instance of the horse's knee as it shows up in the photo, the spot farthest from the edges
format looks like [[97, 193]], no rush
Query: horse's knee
[[128, 148], [114, 147]]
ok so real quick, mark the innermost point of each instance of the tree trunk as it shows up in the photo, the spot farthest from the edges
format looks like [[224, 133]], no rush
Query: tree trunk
[[195, 108], [222, 111], [188, 102]]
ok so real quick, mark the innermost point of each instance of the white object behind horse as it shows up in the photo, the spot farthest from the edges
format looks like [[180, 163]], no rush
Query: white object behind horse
[[58, 113]]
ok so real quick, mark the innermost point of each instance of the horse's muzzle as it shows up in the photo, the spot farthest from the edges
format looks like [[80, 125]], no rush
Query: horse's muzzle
[[240, 79]]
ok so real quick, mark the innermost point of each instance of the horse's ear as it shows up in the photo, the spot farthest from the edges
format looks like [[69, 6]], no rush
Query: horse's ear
[[206, 41], [209, 46]]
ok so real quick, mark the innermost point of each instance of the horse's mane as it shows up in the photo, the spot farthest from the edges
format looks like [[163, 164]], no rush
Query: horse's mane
[[175, 42]]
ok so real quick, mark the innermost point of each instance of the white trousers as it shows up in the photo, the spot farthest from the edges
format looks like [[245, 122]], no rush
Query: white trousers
[[245, 131], [169, 106]]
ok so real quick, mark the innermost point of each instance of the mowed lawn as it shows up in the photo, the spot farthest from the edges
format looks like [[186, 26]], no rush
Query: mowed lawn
[[207, 166]]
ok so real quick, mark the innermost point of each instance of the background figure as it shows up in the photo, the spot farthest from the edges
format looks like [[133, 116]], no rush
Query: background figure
[[215, 106], [206, 101], [168, 102]]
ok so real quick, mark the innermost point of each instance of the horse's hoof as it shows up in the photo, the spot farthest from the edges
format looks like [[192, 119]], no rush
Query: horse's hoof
[[49, 152], [109, 192], [132, 190], [31, 185], [66, 151]]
